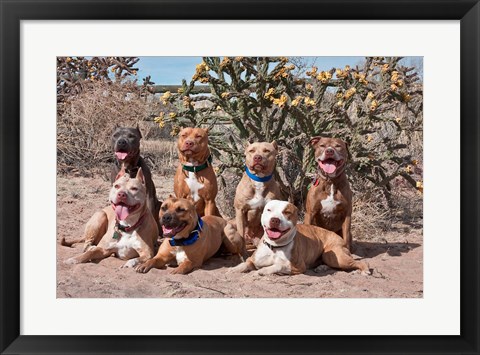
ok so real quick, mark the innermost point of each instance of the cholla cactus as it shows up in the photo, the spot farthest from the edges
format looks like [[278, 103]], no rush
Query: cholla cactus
[[74, 72], [376, 109]]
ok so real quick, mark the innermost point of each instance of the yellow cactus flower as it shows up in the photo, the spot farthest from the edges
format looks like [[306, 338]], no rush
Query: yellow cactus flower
[[409, 169], [347, 68], [369, 138], [340, 103], [218, 108], [68, 60], [312, 72], [420, 186], [172, 115], [350, 92], [160, 120], [291, 67], [339, 95], [204, 80], [393, 87], [269, 94], [134, 72], [373, 105], [370, 95], [112, 70], [415, 162], [226, 61], [180, 90], [225, 95], [280, 102], [394, 77], [324, 76], [309, 87], [216, 170], [238, 59], [399, 83], [398, 119], [92, 77], [284, 59], [406, 97], [385, 68], [296, 101], [309, 102], [175, 131]]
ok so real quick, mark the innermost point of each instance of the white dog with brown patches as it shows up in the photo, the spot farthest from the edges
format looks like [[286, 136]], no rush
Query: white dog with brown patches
[[289, 248]]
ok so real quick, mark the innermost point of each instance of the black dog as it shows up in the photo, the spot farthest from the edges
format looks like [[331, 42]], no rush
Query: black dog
[[126, 146]]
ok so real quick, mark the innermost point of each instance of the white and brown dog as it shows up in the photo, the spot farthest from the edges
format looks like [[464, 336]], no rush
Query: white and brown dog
[[256, 188], [329, 200], [191, 239], [125, 229], [195, 178], [289, 248]]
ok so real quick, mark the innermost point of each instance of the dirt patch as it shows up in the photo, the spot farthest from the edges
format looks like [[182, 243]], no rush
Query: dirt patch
[[395, 257]]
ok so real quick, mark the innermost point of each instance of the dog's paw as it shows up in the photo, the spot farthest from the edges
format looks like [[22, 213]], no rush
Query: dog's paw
[[130, 263], [239, 268], [322, 268], [177, 271], [71, 261], [143, 268], [366, 272]]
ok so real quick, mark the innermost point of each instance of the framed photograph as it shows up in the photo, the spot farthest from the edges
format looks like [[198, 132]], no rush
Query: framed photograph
[[394, 64]]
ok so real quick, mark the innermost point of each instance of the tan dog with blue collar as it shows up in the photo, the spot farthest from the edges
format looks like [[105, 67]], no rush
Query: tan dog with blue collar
[[288, 248], [125, 229], [256, 188], [191, 240], [195, 178]]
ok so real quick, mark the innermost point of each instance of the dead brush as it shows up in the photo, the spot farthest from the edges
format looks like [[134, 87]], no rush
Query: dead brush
[[88, 119]]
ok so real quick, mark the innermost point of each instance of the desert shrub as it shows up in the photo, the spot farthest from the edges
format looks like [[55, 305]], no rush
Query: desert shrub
[[376, 108]]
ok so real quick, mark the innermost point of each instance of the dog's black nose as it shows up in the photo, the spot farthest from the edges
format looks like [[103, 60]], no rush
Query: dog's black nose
[[122, 143], [167, 218]]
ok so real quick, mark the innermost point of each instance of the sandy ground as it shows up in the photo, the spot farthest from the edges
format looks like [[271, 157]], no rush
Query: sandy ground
[[396, 261]]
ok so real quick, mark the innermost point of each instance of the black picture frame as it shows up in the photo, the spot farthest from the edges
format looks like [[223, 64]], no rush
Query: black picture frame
[[13, 12]]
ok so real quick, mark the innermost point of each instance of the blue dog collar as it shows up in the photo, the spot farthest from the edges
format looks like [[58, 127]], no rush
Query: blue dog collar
[[255, 177], [192, 237]]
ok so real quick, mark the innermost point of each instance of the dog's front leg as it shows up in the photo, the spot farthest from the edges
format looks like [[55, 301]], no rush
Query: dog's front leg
[[95, 229], [346, 232], [241, 220], [211, 208], [93, 254], [277, 268], [247, 266], [184, 268]]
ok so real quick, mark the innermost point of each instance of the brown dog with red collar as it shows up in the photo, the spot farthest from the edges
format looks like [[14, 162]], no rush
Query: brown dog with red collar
[[190, 239], [125, 229], [329, 200], [195, 178]]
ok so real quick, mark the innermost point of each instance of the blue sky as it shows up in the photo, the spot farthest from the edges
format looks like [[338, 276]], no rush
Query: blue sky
[[171, 70]]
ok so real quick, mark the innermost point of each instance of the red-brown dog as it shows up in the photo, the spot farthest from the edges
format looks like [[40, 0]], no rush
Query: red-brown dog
[[329, 200], [191, 240], [195, 178]]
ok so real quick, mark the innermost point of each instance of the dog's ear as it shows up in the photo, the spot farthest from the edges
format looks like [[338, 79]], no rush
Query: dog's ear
[[314, 140], [140, 176], [138, 130], [275, 145], [120, 173]]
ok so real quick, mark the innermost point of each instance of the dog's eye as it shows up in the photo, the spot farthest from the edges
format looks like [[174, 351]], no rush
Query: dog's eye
[[117, 186], [266, 151], [251, 151], [322, 145], [198, 136], [337, 145], [131, 136], [180, 209], [164, 208], [287, 213], [269, 210], [134, 188]]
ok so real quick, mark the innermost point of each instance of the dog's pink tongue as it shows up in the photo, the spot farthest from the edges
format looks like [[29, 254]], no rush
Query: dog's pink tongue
[[274, 234], [167, 230], [121, 155], [328, 167], [121, 212]]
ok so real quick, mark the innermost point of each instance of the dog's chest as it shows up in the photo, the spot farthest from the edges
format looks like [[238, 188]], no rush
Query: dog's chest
[[264, 256], [329, 204], [194, 185], [258, 201], [126, 245], [179, 254]]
